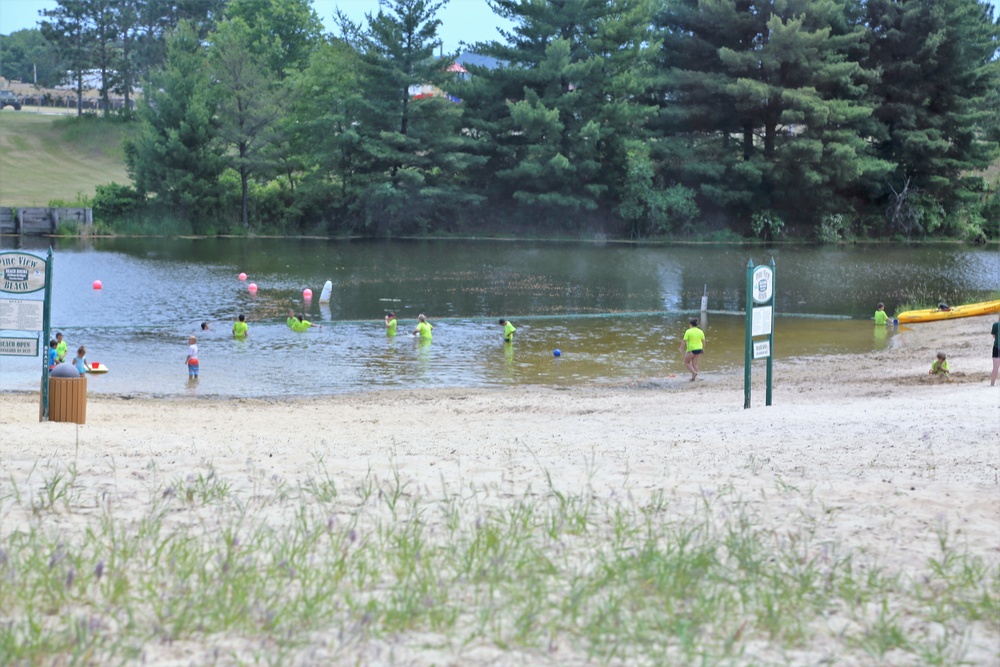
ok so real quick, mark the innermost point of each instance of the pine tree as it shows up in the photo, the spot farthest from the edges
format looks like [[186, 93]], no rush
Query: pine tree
[[248, 98], [66, 27], [935, 103], [569, 96], [409, 141], [768, 99], [325, 132], [174, 155]]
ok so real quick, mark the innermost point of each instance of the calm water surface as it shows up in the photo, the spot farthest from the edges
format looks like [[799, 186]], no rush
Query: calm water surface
[[616, 312]]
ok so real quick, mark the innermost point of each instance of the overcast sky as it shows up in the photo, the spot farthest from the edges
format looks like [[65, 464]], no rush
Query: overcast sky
[[461, 20]]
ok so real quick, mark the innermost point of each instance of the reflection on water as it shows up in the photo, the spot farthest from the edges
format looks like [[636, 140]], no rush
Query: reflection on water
[[617, 312]]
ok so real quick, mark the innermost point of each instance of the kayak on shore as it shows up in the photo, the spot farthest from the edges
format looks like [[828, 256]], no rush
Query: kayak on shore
[[940, 313]]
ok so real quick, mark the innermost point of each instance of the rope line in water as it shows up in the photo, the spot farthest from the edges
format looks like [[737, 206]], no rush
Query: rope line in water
[[519, 318]]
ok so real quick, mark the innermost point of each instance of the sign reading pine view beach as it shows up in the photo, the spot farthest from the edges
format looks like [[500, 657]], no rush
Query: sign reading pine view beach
[[21, 272]]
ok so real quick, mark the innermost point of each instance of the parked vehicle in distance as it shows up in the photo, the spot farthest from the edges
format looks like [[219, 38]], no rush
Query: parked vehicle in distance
[[9, 99]]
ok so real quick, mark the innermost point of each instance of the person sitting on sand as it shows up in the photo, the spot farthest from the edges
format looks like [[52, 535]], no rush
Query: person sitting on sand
[[940, 366]]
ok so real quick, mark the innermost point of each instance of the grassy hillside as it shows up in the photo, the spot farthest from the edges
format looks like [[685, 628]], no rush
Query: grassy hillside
[[52, 157]]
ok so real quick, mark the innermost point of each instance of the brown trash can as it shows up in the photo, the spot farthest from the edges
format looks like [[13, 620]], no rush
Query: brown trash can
[[68, 399]]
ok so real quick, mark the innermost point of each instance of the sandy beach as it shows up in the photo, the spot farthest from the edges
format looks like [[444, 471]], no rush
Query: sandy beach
[[887, 456]]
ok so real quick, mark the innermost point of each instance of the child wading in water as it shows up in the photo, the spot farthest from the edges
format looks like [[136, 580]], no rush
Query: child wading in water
[[693, 346], [80, 360], [940, 367], [881, 317], [192, 358]]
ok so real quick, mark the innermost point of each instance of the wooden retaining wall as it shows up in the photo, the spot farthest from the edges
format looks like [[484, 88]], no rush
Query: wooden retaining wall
[[7, 221], [40, 221]]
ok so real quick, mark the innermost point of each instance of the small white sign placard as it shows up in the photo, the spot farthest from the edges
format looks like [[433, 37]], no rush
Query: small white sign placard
[[19, 347], [762, 349], [19, 315], [761, 324]]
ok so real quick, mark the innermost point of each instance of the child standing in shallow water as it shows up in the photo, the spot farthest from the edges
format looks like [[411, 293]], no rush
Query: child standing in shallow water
[[80, 361], [192, 358], [881, 317]]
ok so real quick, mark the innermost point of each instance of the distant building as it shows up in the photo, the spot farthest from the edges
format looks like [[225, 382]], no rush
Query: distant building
[[426, 90]]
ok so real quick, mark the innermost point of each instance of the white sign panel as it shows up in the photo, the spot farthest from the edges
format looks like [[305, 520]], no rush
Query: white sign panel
[[762, 284], [19, 347], [20, 315], [762, 319], [21, 272], [762, 349]]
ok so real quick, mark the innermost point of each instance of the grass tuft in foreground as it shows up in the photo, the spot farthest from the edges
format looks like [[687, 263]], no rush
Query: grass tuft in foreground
[[282, 573]]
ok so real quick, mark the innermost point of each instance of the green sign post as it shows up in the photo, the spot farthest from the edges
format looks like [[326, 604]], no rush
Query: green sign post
[[759, 324], [24, 273]]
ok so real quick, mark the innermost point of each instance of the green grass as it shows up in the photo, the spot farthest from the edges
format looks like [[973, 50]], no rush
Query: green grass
[[306, 573], [45, 158]]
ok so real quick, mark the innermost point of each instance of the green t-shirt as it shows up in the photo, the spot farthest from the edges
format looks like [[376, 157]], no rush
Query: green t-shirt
[[424, 329], [940, 367], [390, 327], [694, 339], [881, 317], [299, 325], [508, 333], [240, 329], [61, 351]]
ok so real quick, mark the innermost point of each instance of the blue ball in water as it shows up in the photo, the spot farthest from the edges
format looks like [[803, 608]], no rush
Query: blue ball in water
[[556, 353]]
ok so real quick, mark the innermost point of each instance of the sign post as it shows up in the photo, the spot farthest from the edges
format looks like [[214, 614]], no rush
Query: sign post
[[759, 325], [24, 273]]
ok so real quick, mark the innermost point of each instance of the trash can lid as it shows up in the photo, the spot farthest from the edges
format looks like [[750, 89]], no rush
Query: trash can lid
[[64, 370]]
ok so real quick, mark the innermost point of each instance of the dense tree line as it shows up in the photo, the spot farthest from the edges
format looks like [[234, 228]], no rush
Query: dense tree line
[[820, 119]]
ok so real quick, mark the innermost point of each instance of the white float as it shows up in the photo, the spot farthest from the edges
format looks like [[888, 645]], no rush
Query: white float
[[324, 296]]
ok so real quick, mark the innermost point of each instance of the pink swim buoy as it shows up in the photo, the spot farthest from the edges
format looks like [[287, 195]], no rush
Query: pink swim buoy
[[252, 287], [307, 293], [98, 284], [242, 276]]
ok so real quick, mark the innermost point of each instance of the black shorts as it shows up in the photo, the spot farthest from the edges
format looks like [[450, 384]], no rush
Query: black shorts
[[996, 352], [697, 351]]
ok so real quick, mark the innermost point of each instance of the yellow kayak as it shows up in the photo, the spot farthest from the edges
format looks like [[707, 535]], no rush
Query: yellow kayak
[[934, 314]]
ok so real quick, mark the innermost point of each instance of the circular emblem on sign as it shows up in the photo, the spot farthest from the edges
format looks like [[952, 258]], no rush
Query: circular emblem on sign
[[762, 284]]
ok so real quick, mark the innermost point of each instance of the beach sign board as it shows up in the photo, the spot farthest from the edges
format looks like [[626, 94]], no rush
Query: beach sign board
[[21, 315], [759, 324], [18, 347], [25, 273], [21, 272]]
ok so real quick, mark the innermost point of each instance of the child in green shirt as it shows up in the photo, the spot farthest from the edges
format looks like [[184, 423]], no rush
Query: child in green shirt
[[940, 366], [881, 317]]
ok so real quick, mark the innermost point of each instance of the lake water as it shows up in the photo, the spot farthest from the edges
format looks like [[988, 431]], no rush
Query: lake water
[[616, 312]]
